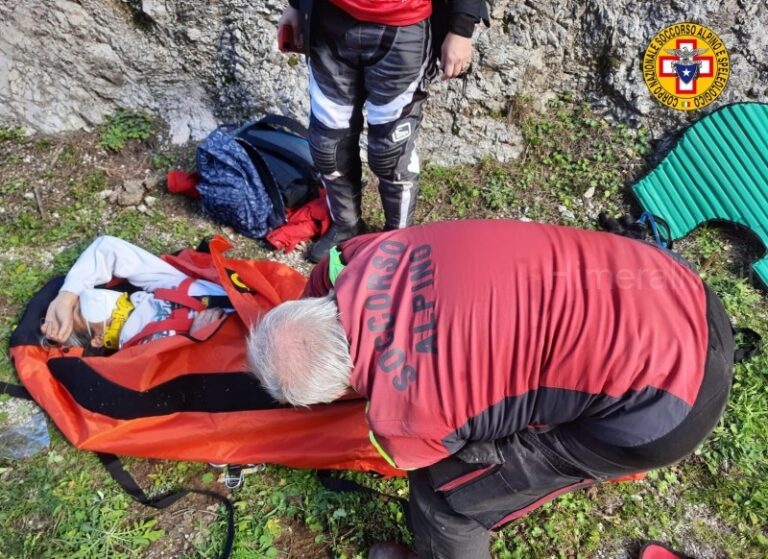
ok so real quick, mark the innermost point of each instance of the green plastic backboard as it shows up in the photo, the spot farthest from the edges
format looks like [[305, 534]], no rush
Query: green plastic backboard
[[718, 171]]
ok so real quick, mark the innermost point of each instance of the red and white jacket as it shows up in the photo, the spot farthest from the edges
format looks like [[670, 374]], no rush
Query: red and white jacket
[[108, 258]]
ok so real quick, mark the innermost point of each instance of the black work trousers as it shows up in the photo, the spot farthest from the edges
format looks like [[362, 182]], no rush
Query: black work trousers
[[385, 69], [455, 502]]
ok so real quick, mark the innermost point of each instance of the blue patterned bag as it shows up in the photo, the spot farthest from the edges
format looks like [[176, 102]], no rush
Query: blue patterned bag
[[248, 176]]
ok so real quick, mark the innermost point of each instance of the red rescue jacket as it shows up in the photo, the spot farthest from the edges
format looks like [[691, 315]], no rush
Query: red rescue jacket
[[474, 330]]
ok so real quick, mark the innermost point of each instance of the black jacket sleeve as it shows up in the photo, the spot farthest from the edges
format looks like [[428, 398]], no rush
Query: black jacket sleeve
[[456, 16], [478, 9], [462, 24]]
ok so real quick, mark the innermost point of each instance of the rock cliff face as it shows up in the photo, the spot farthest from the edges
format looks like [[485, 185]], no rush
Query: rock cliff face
[[64, 64]]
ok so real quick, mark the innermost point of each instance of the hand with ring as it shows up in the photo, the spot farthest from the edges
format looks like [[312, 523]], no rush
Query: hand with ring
[[456, 55]]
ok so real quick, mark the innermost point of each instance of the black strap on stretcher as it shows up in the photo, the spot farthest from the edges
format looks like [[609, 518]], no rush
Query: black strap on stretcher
[[125, 480], [341, 485], [15, 391]]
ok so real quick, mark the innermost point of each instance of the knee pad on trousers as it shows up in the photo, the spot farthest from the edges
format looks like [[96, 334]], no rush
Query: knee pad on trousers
[[336, 153], [384, 160], [323, 150]]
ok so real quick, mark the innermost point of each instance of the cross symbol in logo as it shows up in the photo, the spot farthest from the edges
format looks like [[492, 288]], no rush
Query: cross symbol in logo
[[667, 68]]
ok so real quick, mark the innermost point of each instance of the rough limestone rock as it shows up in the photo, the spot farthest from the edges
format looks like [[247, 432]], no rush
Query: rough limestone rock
[[64, 64]]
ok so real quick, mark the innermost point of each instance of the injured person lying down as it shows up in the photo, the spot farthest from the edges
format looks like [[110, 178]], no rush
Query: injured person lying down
[[164, 301]]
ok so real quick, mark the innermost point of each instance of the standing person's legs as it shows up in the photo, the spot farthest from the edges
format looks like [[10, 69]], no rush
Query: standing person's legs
[[336, 96], [396, 77]]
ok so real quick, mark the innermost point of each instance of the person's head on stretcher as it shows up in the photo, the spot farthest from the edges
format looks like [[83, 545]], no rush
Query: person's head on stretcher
[[74, 320]]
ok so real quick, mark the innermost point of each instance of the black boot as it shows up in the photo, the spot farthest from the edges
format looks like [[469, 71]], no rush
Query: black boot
[[335, 235], [390, 551]]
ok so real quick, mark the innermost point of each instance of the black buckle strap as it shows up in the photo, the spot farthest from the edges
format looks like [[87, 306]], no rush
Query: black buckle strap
[[276, 122], [15, 390], [750, 345], [215, 301], [125, 480]]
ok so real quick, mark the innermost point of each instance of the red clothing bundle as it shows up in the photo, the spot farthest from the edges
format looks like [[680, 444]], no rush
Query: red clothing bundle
[[305, 222]]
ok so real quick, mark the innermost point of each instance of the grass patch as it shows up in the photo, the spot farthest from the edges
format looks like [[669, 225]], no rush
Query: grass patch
[[62, 506], [573, 164], [573, 153], [13, 134], [163, 161], [123, 126]]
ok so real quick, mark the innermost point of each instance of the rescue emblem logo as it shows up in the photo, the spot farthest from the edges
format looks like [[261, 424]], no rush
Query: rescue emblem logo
[[686, 66]]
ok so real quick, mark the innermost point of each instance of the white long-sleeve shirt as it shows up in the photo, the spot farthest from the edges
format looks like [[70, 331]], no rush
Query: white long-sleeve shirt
[[109, 257]]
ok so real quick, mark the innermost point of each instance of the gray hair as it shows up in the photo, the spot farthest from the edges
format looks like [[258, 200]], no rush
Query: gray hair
[[74, 340], [300, 353]]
